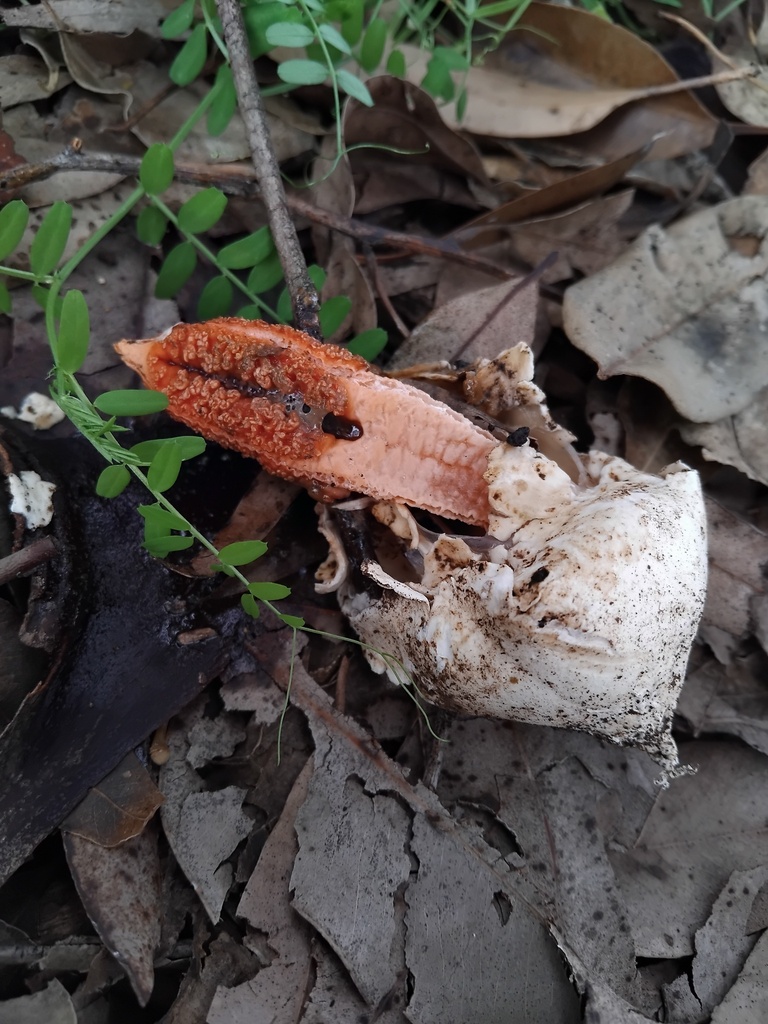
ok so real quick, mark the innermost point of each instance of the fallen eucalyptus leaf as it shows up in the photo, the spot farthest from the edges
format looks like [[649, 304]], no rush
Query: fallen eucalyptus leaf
[[685, 307]]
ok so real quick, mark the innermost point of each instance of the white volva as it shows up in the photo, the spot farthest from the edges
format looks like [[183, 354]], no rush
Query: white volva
[[577, 610]]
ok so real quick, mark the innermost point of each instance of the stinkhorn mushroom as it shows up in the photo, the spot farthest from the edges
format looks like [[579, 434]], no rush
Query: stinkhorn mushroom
[[576, 608]]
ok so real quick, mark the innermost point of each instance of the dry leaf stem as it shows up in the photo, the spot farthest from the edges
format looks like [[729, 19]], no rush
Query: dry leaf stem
[[304, 297]]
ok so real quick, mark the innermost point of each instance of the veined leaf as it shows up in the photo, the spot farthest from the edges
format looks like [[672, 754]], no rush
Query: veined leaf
[[130, 402], [112, 481], [242, 552], [164, 468], [156, 171], [13, 223], [74, 332], [202, 211]]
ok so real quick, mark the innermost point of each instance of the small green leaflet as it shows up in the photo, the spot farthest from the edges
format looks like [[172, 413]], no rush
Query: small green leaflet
[[202, 211], [74, 332], [164, 468], [151, 225], [334, 38], [178, 21], [224, 102], [302, 72], [242, 552], [215, 299], [190, 60], [266, 274], [248, 251], [131, 402], [289, 33], [162, 546], [372, 46], [250, 605], [159, 518], [190, 447], [13, 223], [368, 344], [269, 591], [112, 481], [294, 621], [50, 241], [156, 171], [354, 87], [332, 314], [176, 270]]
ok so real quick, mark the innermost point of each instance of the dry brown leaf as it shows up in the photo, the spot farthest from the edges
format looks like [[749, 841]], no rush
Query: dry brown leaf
[[746, 48], [23, 79], [405, 117], [686, 308], [597, 67], [121, 892], [118, 808], [586, 238], [559, 196], [51, 1004], [478, 324]]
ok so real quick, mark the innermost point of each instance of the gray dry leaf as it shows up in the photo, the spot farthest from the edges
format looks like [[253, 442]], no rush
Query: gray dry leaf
[[736, 587], [738, 440], [276, 994], [51, 1004], [700, 830], [358, 802], [23, 79], [728, 699], [121, 891], [747, 1001], [686, 308], [114, 17], [203, 827]]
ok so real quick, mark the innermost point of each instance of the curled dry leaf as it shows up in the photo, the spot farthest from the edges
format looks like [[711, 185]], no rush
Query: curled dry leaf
[[579, 605], [685, 307]]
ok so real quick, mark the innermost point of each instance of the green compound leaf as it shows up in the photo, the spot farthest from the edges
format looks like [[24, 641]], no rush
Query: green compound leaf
[[151, 225], [74, 332], [156, 171], [159, 519], [289, 33], [334, 38], [13, 223], [190, 448], [269, 591], [224, 102], [368, 344], [266, 274], [51, 238], [248, 251], [372, 46], [302, 72], [354, 87], [131, 402], [332, 314], [250, 605], [202, 211], [294, 621], [215, 299], [190, 60], [160, 547], [5, 298], [178, 266], [178, 21], [242, 552], [112, 481], [164, 468]]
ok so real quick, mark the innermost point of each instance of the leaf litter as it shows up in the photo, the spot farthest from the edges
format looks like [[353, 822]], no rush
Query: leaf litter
[[357, 866]]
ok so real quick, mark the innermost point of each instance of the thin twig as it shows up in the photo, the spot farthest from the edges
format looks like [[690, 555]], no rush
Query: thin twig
[[381, 291], [23, 562], [304, 298], [238, 180]]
